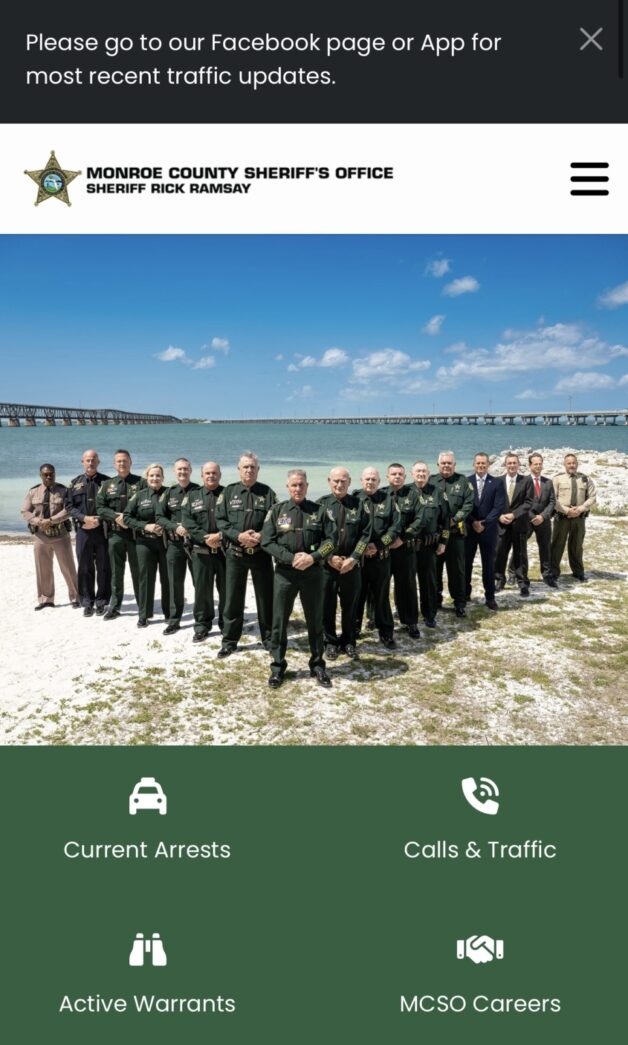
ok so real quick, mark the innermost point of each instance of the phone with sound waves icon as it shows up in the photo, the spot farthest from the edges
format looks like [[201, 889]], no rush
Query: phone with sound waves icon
[[482, 798]]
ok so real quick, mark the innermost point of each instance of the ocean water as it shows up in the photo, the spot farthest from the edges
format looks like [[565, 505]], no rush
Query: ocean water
[[316, 448]]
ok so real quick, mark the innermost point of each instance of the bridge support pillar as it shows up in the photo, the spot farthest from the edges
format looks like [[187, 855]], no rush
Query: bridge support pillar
[[50, 422], [80, 420], [14, 422], [30, 421], [66, 421]]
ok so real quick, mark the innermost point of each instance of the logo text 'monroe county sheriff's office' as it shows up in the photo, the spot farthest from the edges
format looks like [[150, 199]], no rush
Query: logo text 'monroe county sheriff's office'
[[53, 181]]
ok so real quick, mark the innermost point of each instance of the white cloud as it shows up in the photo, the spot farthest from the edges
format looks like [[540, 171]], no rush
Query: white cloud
[[583, 381], [332, 357], [623, 381], [438, 268], [615, 297], [293, 369], [170, 354], [278, 357], [563, 346], [387, 365], [305, 392], [433, 325], [220, 344], [355, 393], [205, 363], [529, 393], [464, 285]]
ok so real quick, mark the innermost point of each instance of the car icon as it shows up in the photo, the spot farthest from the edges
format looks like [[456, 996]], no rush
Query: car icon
[[148, 794]]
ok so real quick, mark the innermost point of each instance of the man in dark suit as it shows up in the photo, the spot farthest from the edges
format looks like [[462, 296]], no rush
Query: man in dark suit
[[542, 507], [489, 501], [512, 525]]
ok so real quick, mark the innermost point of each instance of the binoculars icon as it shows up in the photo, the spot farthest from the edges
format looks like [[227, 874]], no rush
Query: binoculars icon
[[147, 946]]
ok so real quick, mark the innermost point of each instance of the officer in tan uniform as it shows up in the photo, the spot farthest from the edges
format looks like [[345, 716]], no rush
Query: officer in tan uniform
[[44, 512], [575, 496]]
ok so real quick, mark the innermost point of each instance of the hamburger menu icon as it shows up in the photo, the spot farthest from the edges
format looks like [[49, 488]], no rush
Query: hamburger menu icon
[[52, 181]]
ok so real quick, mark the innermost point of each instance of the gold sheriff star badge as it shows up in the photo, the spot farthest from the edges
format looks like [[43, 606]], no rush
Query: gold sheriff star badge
[[52, 181]]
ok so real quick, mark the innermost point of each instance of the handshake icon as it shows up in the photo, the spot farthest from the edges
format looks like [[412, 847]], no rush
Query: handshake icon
[[480, 949]]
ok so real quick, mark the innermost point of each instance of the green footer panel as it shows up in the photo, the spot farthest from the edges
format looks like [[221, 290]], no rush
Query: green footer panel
[[313, 895]]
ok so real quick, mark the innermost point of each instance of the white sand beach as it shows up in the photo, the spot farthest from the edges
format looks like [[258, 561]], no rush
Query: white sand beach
[[74, 680]]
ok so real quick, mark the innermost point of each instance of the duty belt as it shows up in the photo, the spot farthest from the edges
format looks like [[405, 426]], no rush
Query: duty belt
[[239, 551]]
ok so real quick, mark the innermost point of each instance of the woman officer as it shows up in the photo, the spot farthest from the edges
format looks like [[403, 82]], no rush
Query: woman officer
[[140, 516]]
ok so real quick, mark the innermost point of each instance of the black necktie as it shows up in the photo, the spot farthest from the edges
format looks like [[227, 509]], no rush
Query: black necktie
[[248, 518], [46, 508], [211, 506], [89, 502], [574, 492], [123, 496], [342, 536], [298, 526]]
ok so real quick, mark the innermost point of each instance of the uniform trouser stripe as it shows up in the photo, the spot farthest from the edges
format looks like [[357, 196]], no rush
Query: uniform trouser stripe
[[178, 563], [208, 570], [121, 549], [45, 551], [426, 559], [308, 584], [403, 568], [568, 532], [93, 568], [376, 586], [453, 561], [346, 588], [261, 567], [150, 558]]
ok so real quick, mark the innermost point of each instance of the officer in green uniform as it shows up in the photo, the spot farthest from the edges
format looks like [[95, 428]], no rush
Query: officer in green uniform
[[458, 493], [140, 515], [342, 572], [301, 536], [240, 513], [208, 558], [169, 515], [575, 496], [402, 552], [111, 502], [432, 538], [386, 525]]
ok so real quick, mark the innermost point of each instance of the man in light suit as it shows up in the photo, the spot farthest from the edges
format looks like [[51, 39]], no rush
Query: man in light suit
[[489, 502], [512, 525], [542, 508]]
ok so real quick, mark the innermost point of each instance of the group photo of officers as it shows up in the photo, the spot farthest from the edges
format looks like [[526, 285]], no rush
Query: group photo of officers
[[339, 554]]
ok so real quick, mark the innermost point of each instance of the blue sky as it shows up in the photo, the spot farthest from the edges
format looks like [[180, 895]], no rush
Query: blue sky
[[240, 326]]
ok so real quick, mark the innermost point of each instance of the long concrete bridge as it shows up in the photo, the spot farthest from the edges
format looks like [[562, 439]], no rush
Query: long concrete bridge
[[16, 413], [578, 417]]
